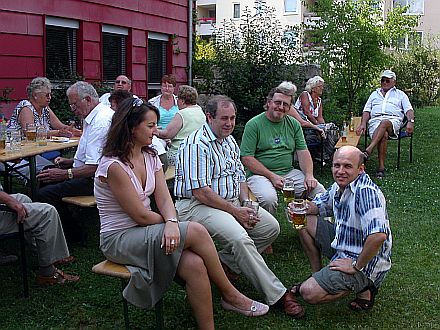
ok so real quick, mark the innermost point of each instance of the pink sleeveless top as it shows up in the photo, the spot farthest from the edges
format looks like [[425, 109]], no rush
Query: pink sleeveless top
[[111, 214]]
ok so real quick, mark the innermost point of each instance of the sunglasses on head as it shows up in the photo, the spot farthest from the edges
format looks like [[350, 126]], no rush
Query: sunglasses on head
[[123, 82], [385, 80]]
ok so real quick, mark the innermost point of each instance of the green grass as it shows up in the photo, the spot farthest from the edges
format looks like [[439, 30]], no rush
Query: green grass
[[409, 297]]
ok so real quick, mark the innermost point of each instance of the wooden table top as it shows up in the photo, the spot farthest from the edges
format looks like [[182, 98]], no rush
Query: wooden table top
[[352, 137], [32, 148]]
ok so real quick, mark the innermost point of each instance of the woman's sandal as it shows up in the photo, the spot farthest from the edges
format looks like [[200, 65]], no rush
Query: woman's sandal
[[360, 304], [366, 155]]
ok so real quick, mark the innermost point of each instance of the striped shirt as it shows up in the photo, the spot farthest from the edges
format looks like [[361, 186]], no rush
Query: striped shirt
[[359, 211], [204, 161]]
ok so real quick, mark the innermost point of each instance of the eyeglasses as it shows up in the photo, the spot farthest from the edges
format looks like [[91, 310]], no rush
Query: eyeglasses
[[75, 105], [284, 104], [45, 94], [385, 80], [123, 82]]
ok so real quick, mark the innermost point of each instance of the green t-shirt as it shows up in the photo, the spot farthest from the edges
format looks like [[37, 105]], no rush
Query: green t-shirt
[[273, 144]]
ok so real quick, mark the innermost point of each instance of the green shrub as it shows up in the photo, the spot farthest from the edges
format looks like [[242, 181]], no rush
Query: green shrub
[[418, 74]]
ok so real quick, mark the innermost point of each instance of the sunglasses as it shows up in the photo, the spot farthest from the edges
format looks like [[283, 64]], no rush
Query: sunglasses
[[385, 80], [123, 82]]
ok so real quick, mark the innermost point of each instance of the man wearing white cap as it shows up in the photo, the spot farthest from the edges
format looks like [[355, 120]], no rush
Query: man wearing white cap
[[384, 113]]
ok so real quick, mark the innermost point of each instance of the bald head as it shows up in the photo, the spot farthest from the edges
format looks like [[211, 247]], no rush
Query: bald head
[[352, 152], [348, 164]]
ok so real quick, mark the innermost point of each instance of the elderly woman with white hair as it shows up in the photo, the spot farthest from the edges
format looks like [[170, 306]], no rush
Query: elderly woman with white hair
[[35, 110], [309, 104]]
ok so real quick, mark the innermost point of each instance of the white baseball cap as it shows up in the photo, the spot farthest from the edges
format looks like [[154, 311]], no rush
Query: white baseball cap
[[388, 74]]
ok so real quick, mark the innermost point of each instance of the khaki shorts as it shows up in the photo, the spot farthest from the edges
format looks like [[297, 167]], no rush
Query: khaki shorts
[[374, 123]]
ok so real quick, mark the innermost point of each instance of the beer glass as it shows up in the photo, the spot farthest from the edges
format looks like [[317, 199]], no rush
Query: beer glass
[[252, 205], [31, 132], [288, 190], [15, 140], [297, 212], [41, 136]]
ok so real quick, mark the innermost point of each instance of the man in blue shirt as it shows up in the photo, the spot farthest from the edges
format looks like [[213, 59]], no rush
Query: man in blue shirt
[[358, 243]]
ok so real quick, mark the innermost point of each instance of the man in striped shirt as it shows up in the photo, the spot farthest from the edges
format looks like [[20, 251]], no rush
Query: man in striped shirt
[[210, 186], [358, 243]]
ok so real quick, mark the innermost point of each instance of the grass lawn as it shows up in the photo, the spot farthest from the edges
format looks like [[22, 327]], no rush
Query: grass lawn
[[409, 297]]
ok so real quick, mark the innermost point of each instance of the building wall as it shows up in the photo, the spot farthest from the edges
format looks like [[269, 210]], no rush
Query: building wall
[[22, 38], [225, 10]]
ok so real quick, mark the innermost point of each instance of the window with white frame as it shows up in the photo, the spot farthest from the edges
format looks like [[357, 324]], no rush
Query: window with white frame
[[157, 60], [114, 52], [260, 7], [415, 6], [60, 48], [236, 13], [410, 40], [290, 6]]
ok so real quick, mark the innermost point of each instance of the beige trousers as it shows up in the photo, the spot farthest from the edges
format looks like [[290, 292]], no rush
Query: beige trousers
[[44, 226], [266, 193], [240, 248]]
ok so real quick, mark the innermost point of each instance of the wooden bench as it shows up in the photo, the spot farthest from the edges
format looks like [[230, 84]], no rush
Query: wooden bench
[[352, 137], [112, 269]]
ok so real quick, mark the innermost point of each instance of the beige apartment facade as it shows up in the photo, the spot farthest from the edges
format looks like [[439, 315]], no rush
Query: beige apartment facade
[[211, 13]]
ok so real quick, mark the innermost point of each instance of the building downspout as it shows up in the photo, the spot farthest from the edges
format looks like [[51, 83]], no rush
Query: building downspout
[[190, 40]]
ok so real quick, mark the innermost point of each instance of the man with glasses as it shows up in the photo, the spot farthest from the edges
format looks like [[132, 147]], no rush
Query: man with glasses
[[384, 113], [74, 177], [269, 141], [121, 83]]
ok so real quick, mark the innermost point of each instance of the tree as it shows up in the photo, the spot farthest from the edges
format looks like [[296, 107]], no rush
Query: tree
[[253, 58], [350, 38]]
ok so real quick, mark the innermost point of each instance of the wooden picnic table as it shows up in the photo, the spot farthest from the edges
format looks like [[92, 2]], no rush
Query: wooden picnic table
[[352, 137], [28, 151]]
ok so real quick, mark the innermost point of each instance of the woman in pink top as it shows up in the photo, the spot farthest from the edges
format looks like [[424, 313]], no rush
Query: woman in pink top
[[155, 245]]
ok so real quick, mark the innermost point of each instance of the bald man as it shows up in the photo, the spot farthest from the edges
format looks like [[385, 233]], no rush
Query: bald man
[[122, 83], [359, 241]]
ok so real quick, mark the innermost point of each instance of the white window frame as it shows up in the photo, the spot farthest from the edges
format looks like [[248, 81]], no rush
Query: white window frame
[[408, 2], [234, 7], [291, 12], [407, 39]]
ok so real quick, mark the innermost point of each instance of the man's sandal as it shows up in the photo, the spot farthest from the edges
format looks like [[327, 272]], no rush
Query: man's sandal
[[366, 155], [380, 174], [295, 289], [360, 304]]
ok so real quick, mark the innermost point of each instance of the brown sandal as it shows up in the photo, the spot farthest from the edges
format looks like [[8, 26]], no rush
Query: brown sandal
[[65, 261], [59, 277]]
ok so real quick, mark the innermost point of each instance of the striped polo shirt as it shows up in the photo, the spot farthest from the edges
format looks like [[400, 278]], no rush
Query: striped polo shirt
[[203, 160], [359, 211]]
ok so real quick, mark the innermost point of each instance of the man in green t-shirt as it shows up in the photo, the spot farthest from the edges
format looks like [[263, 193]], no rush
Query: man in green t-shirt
[[269, 142]]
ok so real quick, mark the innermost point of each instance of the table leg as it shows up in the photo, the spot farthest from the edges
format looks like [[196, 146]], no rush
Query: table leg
[[33, 177]]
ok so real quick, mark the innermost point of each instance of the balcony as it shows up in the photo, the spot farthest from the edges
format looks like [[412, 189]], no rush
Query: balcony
[[205, 26], [206, 2]]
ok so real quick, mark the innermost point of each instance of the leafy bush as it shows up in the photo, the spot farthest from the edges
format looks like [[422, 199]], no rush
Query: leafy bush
[[418, 74], [248, 61]]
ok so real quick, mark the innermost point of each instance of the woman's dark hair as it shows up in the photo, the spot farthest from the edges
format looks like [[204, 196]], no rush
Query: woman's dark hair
[[131, 112]]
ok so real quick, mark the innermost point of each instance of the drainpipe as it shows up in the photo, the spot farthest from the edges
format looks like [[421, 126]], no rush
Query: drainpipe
[[190, 40]]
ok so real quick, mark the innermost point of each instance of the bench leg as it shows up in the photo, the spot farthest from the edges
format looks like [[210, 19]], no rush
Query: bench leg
[[23, 260], [125, 306], [159, 315]]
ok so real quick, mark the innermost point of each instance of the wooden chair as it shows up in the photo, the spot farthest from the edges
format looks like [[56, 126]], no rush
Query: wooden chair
[[23, 261], [317, 145], [402, 134], [112, 269]]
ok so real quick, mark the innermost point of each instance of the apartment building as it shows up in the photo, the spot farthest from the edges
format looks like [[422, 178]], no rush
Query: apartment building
[[211, 13]]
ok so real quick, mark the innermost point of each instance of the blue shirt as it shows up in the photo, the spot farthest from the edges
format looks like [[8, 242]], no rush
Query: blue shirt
[[203, 160], [359, 211]]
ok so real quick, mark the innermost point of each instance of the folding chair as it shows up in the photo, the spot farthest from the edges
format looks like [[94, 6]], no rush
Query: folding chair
[[402, 134]]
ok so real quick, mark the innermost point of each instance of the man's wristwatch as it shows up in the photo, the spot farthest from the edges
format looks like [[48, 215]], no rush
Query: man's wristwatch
[[173, 220], [69, 174], [354, 266], [411, 121]]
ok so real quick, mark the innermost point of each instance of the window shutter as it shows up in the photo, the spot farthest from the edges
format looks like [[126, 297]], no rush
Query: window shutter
[[114, 56], [60, 52]]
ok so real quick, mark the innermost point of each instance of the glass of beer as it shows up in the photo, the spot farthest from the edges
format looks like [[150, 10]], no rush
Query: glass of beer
[[31, 132], [297, 211], [288, 190], [252, 205], [41, 136]]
